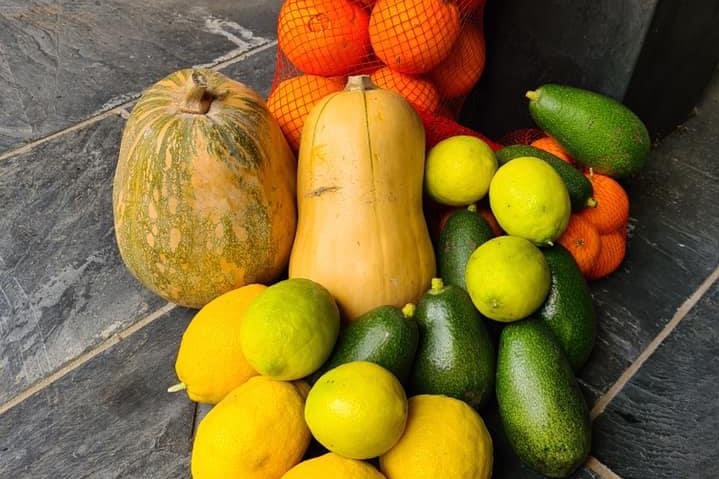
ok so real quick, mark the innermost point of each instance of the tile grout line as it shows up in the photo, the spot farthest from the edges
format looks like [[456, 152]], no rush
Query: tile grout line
[[121, 109], [601, 469], [628, 373], [78, 361]]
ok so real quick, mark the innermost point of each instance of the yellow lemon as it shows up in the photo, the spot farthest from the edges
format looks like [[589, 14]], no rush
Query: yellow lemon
[[529, 199], [508, 278], [357, 410], [444, 438], [333, 466], [256, 432], [210, 362], [459, 169], [289, 330]]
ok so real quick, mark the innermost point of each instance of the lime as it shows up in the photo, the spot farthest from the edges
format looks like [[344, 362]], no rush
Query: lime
[[289, 330], [508, 278], [357, 410], [459, 169], [529, 199]]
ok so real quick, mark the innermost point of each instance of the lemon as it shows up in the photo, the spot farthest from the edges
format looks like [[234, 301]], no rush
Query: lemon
[[256, 432], [459, 169], [210, 362], [333, 466], [444, 438], [508, 278], [357, 410], [529, 199], [290, 329]]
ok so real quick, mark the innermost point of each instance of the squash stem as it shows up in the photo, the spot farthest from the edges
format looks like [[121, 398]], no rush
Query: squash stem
[[197, 98], [437, 285], [408, 310], [359, 82], [532, 95]]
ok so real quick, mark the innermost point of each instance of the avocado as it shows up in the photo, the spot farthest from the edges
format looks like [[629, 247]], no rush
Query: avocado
[[569, 310], [598, 131], [463, 232], [579, 187], [455, 356], [542, 410], [385, 335]]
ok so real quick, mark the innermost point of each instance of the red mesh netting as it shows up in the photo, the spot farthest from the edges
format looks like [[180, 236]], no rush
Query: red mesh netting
[[430, 51]]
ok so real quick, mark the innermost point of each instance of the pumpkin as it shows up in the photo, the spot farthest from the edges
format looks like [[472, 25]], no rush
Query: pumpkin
[[204, 189], [361, 230]]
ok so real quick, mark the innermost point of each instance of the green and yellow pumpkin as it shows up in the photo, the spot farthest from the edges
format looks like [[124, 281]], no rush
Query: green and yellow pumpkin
[[204, 189]]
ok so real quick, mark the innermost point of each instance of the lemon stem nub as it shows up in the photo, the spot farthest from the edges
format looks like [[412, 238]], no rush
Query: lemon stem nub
[[177, 388], [408, 310]]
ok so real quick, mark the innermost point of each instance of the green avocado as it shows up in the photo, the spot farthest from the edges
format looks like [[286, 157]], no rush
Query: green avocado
[[579, 187], [569, 310], [455, 356], [543, 412], [462, 233], [596, 130], [385, 335]]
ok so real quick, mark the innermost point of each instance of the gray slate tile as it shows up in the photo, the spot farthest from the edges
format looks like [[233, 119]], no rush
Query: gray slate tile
[[673, 246], [255, 71], [63, 287], [664, 422], [63, 61], [110, 418]]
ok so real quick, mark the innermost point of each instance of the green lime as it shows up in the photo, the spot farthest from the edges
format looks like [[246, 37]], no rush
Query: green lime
[[459, 169], [529, 199], [289, 330], [508, 278], [357, 410]]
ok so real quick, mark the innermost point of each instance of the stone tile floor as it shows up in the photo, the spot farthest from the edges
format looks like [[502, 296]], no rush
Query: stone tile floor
[[86, 353]]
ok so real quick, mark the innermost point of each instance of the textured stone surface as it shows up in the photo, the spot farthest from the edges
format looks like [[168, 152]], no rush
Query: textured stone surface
[[63, 61], [110, 418], [63, 287], [664, 423]]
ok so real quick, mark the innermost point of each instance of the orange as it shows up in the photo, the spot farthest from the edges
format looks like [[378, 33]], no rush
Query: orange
[[291, 101], [413, 36], [612, 208], [323, 37], [552, 146], [613, 248], [581, 239], [463, 67], [420, 93]]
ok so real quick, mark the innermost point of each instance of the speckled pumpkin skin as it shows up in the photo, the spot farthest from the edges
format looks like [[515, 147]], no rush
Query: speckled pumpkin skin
[[203, 203]]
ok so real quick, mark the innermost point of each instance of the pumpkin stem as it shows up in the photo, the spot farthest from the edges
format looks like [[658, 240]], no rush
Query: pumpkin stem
[[197, 98], [359, 82]]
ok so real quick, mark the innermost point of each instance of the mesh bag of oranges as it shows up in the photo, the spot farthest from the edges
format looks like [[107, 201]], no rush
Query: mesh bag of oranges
[[430, 51]]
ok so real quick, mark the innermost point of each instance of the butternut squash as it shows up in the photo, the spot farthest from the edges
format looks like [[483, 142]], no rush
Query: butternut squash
[[361, 230]]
